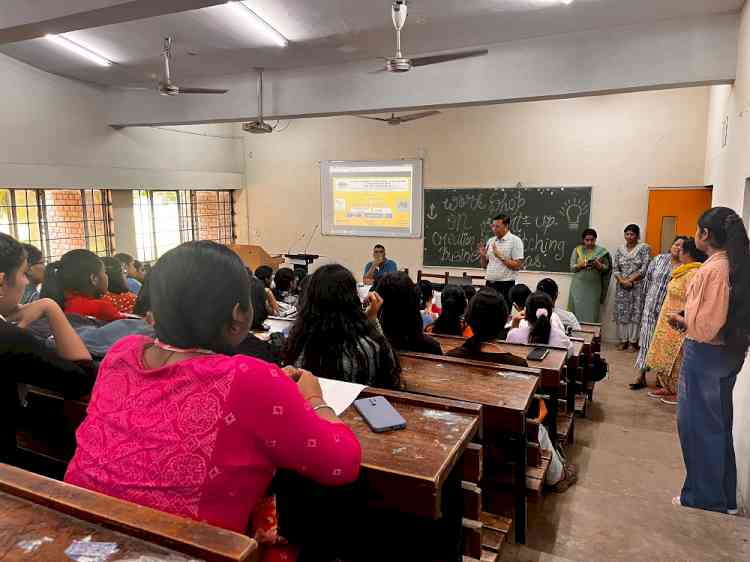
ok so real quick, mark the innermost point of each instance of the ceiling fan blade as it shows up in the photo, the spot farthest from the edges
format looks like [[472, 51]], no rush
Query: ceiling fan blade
[[378, 71], [201, 90], [372, 118], [415, 116], [435, 59]]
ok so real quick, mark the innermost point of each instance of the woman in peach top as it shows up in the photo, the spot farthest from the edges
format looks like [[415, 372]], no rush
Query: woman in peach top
[[717, 331]]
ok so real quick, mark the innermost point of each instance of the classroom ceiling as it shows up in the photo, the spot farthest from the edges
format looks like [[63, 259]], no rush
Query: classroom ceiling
[[211, 41]]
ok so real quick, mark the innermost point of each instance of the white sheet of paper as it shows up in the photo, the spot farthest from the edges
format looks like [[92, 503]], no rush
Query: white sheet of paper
[[339, 395], [278, 324]]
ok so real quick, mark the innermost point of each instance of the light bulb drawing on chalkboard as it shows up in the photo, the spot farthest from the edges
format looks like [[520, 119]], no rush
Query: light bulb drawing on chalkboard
[[572, 211]]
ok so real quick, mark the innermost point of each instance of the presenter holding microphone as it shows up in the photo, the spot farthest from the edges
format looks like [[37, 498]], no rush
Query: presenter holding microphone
[[501, 256]]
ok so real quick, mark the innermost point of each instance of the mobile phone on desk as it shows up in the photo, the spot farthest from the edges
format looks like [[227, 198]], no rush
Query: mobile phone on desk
[[538, 354], [379, 414]]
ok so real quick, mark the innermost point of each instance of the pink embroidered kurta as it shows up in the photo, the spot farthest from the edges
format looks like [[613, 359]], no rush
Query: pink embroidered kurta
[[201, 438]]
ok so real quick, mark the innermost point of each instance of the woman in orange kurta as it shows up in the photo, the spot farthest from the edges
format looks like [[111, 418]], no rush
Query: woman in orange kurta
[[665, 352]]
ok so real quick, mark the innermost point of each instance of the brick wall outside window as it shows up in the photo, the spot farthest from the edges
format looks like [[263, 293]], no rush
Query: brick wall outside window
[[54, 220]]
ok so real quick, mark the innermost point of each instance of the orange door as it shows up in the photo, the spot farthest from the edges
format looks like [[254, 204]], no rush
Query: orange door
[[673, 212]]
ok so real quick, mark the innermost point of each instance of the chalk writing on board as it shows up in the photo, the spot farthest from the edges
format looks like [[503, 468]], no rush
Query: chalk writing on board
[[549, 220]]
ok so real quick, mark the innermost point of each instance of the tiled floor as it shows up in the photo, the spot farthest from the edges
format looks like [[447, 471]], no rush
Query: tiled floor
[[630, 467]]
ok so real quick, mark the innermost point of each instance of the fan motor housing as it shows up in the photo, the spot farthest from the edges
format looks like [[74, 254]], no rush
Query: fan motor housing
[[257, 127], [399, 64]]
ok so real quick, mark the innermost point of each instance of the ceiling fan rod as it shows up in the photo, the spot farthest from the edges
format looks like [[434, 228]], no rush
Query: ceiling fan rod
[[166, 54], [398, 15], [260, 95]]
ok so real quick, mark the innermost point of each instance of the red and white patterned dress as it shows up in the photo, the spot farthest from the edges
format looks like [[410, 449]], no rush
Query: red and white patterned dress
[[123, 302]]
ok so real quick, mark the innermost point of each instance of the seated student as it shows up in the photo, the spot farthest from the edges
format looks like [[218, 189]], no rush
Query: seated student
[[284, 283], [258, 300], [117, 287], [400, 317], [191, 430], [518, 295], [333, 337], [537, 327], [561, 318], [426, 297], [77, 283], [140, 271], [379, 266], [131, 272], [35, 274], [265, 274], [469, 291], [486, 317], [451, 319], [24, 358]]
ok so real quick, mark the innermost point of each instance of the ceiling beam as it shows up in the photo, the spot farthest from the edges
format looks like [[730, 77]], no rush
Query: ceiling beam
[[96, 17], [664, 54]]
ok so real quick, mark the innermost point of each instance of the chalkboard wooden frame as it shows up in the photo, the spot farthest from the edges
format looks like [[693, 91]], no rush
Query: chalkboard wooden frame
[[549, 219]]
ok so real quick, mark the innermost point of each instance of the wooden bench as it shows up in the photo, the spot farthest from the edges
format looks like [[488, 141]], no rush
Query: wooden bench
[[505, 397], [402, 471], [553, 372], [442, 278], [33, 507]]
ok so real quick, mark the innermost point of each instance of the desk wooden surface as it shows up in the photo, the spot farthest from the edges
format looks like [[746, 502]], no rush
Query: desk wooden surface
[[506, 394], [551, 366], [595, 329], [33, 507], [405, 469], [411, 463]]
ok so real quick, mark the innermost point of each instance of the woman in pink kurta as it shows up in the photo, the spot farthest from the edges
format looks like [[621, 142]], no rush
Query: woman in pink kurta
[[176, 425]]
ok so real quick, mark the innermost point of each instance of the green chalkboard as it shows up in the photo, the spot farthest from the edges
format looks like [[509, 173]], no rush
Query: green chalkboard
[[549, 220]]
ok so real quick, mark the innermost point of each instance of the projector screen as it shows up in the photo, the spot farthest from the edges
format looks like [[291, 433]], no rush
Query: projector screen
[[372, 198]]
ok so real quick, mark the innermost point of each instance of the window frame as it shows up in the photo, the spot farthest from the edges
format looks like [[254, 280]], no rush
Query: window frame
[[43, 223], [187, 218]]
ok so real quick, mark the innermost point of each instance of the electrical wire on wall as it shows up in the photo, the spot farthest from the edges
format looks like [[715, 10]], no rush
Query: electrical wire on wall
[[195, 133]]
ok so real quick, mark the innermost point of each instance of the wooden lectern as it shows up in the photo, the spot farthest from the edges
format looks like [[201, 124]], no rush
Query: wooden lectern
[[255, 256]]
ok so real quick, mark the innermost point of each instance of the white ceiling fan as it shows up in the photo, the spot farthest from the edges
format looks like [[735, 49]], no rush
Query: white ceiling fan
[[399, 119], [400, 63], [168, 88], [259, 126]]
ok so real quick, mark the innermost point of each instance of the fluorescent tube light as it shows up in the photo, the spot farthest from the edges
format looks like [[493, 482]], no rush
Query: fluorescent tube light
[[80, 50], [258, 23]]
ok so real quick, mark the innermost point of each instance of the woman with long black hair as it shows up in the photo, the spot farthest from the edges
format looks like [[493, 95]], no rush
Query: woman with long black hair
[[715, 319], [334, 338]]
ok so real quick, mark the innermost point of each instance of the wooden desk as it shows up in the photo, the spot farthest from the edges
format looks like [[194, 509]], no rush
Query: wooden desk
[[553, 370], [33, 507], [405, 470], [587, 338], [505, 396]]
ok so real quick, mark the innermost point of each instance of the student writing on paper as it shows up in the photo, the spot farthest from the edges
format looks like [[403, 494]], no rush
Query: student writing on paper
[[191, 430]]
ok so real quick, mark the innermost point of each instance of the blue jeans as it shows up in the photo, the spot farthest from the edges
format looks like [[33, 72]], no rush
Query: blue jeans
[[704, 422]]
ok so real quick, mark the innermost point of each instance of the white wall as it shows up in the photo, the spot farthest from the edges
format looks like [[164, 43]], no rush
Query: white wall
[[55, 134], [728, 168], [620, 144]]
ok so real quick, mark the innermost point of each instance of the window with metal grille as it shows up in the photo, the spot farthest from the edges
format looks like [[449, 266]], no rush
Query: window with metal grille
[[59, 220], [165, 219]]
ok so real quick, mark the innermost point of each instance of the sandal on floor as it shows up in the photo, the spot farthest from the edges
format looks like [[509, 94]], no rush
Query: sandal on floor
[[571, 477], [659, 394], [670, 399], [637, 385]]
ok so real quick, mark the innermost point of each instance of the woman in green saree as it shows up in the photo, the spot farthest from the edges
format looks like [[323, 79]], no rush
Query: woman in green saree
[[592, 268]]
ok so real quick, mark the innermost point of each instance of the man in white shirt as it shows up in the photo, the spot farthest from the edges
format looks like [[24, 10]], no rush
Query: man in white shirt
[[502, 256]]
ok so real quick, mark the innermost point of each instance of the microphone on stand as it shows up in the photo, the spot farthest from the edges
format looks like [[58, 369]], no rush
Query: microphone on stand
[[289, 251], [317, 226]]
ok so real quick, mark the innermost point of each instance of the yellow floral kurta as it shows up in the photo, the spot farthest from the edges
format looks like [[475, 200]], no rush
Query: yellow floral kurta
[[666, 345]]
